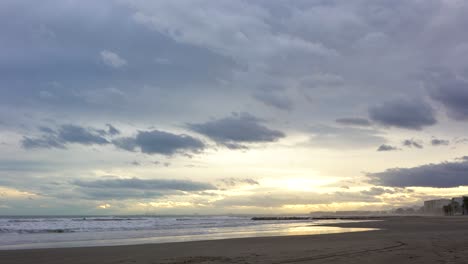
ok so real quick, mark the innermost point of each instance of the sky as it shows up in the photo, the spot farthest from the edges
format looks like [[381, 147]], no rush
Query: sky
[[231, 106]]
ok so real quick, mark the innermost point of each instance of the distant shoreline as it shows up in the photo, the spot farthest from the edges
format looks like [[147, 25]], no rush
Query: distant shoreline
[[292, 218]]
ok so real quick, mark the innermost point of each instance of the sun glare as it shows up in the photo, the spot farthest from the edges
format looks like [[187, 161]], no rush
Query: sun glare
[[304, 184]]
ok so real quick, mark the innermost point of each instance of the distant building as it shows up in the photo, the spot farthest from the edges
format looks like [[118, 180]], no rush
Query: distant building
[[436, 207]]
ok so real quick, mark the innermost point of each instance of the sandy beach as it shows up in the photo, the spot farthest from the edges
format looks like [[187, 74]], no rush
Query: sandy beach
[[399, 240]]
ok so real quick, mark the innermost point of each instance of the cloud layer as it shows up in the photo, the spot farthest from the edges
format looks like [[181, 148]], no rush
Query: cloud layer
[[132, 188], [316, 88], [440, 175]]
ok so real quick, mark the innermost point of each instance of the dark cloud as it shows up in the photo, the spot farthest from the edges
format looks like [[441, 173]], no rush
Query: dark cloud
[[274, 99], [451, 92], [80, 135], [160, 142], [235, 130], [125, 143], [66, 134], [439, 142], [111, 130], [166, 143], [42, 142], [404, 113], [412, 143], [238, 181], [47, 130], [441, 175], [150, 142], [353, 121], [385, 147]]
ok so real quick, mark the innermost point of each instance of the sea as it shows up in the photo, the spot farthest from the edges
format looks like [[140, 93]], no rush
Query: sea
[[29, 232]]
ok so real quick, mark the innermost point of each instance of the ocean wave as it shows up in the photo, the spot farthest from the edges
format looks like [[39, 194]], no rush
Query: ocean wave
[[107, 219], [101, 224], [34, 220], [24, 221], [36, 231]]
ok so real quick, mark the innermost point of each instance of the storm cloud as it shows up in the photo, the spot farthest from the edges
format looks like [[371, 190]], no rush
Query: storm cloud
[[404, 113], [452, 93], [236, 130], [440, 175], [160, 142], [149, 142]]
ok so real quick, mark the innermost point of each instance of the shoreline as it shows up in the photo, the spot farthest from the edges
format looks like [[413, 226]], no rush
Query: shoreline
[[400, 239], [289, 228]]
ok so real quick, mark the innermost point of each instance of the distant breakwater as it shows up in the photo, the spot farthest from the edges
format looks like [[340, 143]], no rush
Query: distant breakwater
[[301, 218]]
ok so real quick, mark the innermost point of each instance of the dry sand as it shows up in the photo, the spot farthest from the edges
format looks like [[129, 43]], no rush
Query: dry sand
[[400, 240]]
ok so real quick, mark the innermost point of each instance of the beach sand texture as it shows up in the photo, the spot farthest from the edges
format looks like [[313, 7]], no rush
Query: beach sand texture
[[400, 240]]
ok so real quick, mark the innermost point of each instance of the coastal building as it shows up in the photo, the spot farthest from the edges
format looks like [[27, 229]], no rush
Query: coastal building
[[436, 207]]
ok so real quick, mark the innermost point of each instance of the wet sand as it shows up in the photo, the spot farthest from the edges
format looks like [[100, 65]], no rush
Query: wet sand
[[400, 240]]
